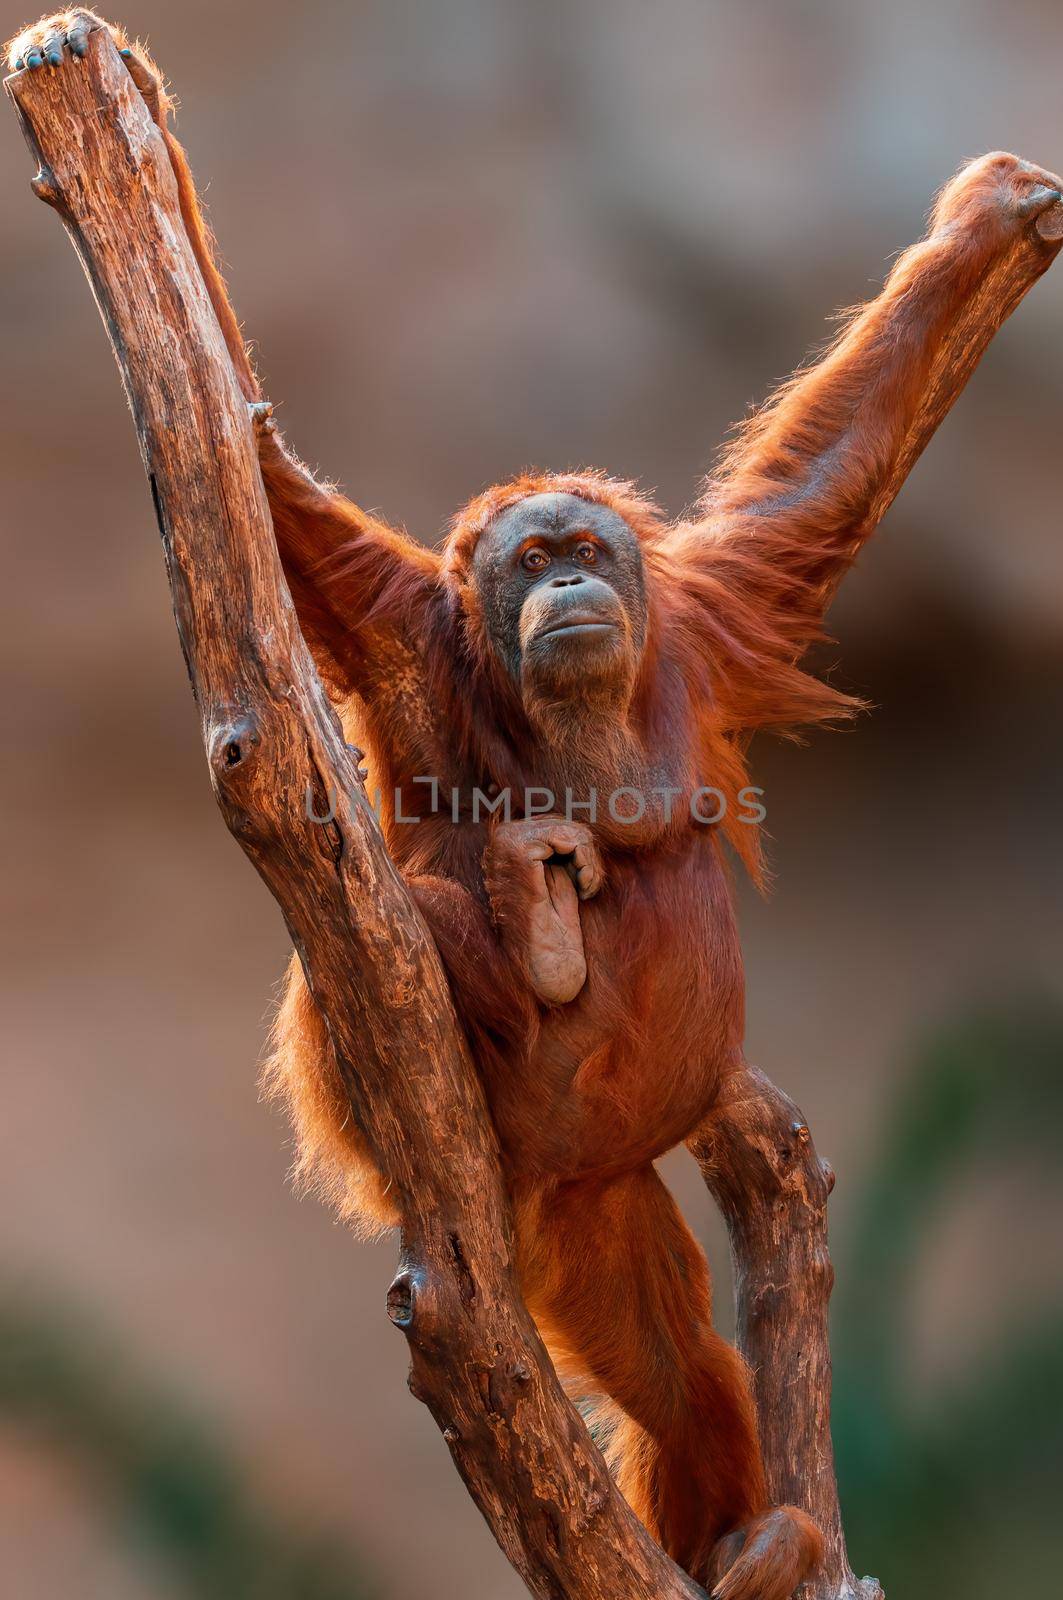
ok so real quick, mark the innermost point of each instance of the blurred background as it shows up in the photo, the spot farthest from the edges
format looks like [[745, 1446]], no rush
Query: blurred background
[[468, 235]]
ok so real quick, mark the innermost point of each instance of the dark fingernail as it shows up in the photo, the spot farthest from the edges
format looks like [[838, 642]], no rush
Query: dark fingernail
[[20, 63], [125, 54], [33, 60], [1038, 199], [79, 46], [54, 57]]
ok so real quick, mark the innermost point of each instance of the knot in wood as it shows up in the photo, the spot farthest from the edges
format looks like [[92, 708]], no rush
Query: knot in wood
[[401, 1300], [463, 1272], [451, 1434], [591, 1510], [232, 746], [45, 187]]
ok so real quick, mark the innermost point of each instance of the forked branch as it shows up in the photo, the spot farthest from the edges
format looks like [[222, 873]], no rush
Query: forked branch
[[271, 738], [758, 1159]]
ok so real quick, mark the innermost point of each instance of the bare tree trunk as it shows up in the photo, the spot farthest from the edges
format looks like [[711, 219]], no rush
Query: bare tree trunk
[[271, 738], [272, 741], [757, 1157]]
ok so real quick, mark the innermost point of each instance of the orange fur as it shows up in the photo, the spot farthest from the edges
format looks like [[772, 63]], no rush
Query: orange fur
[[333, 1160], [587, 1095]]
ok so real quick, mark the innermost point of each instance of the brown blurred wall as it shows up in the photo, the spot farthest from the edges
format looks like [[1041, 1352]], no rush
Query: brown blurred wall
[[466, 236]]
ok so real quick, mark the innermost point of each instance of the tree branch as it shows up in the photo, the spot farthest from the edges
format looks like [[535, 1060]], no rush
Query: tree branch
[[757, 1157], [271, 740]]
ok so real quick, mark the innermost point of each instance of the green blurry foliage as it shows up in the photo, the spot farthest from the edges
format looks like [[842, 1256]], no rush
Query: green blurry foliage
[[951, 1490], [945, 1493], [170, 1491]]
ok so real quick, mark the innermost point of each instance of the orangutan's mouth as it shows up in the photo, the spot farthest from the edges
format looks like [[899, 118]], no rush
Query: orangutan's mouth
[[585, 625]]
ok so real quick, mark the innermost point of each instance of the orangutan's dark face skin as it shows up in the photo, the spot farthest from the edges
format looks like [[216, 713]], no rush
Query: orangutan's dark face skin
[[564, 598]]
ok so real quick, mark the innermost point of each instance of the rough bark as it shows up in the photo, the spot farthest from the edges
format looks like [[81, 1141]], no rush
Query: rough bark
[[271, 741], [758, 1159]]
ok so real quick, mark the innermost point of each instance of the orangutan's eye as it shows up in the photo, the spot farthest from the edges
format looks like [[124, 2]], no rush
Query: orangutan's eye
[[586, 553], [535, 560]]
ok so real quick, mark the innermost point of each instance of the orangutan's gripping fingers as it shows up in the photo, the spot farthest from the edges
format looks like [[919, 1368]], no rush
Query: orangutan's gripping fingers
[[536, 870], [77, 34], [52, 49], [143, 73], [1034, 190], [1035, 200], [587, 868], [1001, 194], [568, 844], [46, 45], [42, 45]]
